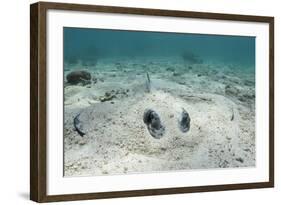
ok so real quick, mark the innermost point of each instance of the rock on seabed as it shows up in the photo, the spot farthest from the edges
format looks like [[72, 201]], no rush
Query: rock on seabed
[[80, 76]]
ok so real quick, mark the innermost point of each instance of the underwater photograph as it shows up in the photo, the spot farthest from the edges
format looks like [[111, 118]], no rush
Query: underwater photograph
[[146, 102]]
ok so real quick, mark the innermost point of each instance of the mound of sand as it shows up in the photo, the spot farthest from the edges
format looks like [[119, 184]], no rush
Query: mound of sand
[[220, 102], [117, 140]]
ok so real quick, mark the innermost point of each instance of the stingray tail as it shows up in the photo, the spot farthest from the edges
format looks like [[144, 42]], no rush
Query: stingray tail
[[148, 83]]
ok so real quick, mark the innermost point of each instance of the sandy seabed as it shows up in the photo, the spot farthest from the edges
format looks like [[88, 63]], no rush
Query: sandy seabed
[[220, 100]]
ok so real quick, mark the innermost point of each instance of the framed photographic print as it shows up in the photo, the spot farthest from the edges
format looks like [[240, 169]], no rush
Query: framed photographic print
[[134, 102]]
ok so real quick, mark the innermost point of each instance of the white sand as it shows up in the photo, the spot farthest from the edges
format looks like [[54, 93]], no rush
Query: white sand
[[220, 102]]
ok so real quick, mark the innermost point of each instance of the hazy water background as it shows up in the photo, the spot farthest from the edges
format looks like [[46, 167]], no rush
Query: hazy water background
[[83, 44]]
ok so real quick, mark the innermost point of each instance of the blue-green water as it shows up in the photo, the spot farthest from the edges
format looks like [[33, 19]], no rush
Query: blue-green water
[[82, 44]]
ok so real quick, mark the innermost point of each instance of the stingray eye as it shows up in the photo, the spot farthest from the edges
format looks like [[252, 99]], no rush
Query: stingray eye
[[153, 123], [184, 121], [147, 116]]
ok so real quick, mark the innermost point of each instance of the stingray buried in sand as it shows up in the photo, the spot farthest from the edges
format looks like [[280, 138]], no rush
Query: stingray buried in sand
[[171, 112]]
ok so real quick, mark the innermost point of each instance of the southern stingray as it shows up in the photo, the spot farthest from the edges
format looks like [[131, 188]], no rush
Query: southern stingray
[[179, 128]]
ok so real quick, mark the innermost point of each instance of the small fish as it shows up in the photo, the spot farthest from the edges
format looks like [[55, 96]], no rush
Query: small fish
[[78, 125]]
